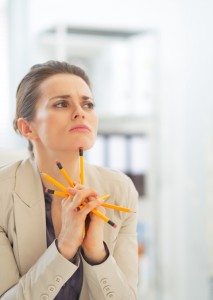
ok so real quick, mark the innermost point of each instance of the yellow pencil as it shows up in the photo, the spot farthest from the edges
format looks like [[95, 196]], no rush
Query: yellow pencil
[[95, 211], [66, 176], [104, 197], [99, 214], [58, 193], [116, 207], [103, 217], [81, 161], [55, 182]]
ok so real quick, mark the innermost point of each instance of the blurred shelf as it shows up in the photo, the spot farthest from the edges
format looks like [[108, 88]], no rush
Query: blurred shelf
[[125, 125]]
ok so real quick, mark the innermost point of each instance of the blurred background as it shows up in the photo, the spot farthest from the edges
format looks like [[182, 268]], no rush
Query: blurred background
[[151, 65]]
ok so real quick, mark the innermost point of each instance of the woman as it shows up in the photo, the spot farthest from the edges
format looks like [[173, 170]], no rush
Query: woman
[[48, 248]]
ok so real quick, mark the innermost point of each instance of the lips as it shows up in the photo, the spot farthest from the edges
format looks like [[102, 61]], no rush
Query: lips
[[80, 128]]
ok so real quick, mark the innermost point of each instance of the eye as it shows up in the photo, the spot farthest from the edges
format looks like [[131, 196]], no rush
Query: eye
[[89, 105], [61, 104]]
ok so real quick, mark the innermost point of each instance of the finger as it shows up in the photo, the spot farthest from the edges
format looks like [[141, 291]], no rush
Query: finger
[[79, 186], [86, 208], [83, 196], [71, 191], [66, 201]]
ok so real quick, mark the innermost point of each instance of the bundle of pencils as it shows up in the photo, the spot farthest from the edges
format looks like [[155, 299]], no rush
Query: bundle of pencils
[[65, 193]]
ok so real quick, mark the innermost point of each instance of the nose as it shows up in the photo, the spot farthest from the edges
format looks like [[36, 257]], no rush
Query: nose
[[78, 112]]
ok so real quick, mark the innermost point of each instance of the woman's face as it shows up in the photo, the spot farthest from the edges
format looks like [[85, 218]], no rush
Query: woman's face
[[64, 118]]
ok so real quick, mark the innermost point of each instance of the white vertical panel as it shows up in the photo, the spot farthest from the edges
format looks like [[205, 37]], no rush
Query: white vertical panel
[[96, 154], [140, 157], [117, 152]]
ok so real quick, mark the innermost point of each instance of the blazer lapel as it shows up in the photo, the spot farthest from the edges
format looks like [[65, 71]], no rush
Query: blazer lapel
[[29, 211]]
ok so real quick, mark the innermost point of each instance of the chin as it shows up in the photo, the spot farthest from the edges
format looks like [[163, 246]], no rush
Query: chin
[[74, 144], [86, 145]]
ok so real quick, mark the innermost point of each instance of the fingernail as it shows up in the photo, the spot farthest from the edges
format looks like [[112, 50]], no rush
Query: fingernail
[[76, 209]]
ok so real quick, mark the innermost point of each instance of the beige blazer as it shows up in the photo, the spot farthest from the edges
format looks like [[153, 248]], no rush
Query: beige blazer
[[29, 270]]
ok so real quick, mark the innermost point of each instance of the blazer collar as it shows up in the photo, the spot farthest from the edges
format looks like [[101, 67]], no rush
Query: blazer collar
[[29, 210], [28, 183]]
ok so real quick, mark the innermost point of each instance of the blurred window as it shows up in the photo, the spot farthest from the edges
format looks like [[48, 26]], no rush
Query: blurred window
[[124, 152]]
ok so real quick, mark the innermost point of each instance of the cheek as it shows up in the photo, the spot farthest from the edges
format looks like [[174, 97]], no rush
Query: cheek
[[44, 121], [95, 122], [47, 117]]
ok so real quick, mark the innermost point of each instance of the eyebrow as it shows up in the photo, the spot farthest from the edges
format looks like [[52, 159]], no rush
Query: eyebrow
[[68, 96]]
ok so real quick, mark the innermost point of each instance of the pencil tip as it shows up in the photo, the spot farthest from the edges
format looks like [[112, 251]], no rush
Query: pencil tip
[[105, 197]]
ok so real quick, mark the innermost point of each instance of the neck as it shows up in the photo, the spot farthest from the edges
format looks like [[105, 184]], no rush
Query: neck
[[46, 162]]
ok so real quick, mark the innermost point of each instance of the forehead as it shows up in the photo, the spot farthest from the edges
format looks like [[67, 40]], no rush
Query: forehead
[[64, 84]]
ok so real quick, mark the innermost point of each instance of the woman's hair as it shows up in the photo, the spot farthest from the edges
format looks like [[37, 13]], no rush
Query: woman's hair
[[28, 91]]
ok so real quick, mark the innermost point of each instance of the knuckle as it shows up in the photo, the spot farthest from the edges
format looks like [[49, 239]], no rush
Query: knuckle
[[90, 205], [78, 194]]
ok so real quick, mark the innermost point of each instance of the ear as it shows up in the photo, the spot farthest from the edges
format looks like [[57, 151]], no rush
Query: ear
[[26, 129]]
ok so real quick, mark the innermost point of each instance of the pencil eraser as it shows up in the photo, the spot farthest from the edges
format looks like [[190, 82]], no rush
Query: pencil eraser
[[58, 164], [81, 151]]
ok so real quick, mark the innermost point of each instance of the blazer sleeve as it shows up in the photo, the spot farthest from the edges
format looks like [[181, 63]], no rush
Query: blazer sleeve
[[117, 277], [43, 280]]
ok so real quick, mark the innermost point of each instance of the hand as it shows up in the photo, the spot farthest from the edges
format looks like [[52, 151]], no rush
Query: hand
[[73, 222], [93, 245]]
